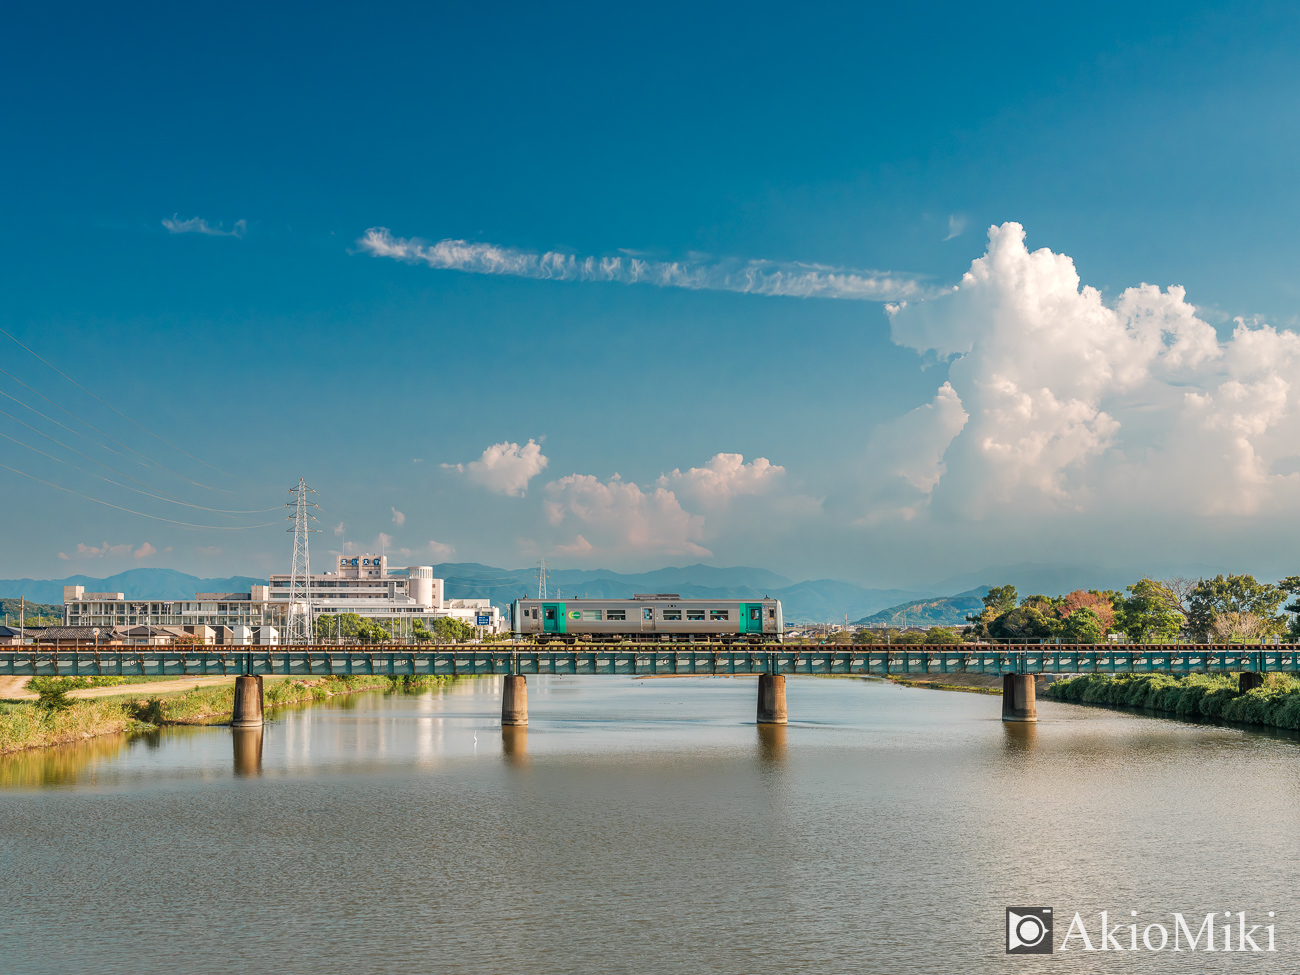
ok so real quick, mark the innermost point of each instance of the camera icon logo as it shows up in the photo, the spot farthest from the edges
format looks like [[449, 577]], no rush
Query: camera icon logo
[[1029, 930]]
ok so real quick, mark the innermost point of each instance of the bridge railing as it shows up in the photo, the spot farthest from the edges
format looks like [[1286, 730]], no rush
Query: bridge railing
[[462, 660]]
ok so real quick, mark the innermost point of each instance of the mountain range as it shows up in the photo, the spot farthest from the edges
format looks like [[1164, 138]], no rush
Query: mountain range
[[814, 600], [820, 599]]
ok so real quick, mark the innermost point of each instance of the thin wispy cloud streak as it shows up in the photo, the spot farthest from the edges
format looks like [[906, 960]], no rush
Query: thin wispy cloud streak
[[197, 225], [747, 277]]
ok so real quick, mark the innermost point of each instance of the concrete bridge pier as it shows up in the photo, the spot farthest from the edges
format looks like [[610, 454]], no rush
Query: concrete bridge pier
[[771, 699], [248, 702], [514, 701], [1019, 698], [1248, 681]]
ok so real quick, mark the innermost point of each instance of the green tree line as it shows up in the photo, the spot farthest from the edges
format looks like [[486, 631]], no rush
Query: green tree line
[[1225, 609], [352, 628]]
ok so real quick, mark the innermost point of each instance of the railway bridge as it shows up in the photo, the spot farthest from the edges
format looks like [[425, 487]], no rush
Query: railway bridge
[[1017, 666]]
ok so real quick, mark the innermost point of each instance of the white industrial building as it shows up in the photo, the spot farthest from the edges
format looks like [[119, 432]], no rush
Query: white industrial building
[[359, 584], [362, 584]]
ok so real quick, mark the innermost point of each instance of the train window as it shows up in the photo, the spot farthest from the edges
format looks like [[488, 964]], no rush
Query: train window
[[695, 614], [648, 613], [756, 613], [672, 614], [771, 614], [591, 614], [534, 613], [550, 612], [615, 614], [719, 614]]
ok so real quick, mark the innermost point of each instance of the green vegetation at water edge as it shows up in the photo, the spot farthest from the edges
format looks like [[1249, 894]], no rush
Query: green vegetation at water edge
[[36, 724], [203, 703], [1276, 704], [30, 725]]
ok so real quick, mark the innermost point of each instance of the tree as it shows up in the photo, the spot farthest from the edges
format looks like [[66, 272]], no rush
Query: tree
[[1228, 627], [1022, 623], [446, 629], [943, 636], [1215, 597], [1101, 603], [1083, 626], [1291, 586], [1150, 613], [998, 600]]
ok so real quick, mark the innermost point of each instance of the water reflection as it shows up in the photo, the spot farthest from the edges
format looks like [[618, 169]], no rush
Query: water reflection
[[1020, 736], [60, 765], [514, 744], [248, 751], [771, 743]]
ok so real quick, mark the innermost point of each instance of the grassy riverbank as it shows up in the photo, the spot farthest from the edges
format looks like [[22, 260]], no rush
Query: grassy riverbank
[[24, 725], [1275, 705]]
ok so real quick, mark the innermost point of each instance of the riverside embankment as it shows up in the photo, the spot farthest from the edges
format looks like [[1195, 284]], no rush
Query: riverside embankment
[[35, 725], [1215, 696]]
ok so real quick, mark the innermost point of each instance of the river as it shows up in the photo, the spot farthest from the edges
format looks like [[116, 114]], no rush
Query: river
[[642, 826]]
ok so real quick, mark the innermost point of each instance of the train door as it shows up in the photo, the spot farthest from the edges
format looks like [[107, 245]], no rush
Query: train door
[[647, 619], [751, 617], [553, 618]]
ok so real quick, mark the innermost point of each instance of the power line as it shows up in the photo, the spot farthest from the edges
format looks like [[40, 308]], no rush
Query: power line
[[142, 514], [116, 410], [109, 480], [106, 436]]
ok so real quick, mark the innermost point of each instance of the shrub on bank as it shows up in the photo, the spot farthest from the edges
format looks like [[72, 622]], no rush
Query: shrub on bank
[[1276, 704], [30, 725], [26, 725], [203, 703]]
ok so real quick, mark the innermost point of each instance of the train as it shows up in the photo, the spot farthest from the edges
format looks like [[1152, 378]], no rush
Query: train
[[647, 617]]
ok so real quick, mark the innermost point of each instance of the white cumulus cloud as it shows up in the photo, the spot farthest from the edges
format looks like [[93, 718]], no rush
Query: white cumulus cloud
[[440, 550], [758, 277], [399, 519], [1068, 402], [617, 518], [723, 477], [505, 468]]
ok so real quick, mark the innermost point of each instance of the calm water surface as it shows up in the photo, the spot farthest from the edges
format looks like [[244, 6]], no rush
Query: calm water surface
[[641, 826]]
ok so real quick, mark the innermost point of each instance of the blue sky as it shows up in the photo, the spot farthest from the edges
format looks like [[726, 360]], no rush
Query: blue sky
[[189, 193]]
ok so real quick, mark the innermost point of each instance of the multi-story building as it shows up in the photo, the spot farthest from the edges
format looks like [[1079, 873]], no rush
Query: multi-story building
[[109, 609], [360, 584]]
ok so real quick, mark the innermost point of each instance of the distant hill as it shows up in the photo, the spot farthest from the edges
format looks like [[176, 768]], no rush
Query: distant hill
[[948, 611], [135, 583], [14, 609], [1057, 579], [819, 600]]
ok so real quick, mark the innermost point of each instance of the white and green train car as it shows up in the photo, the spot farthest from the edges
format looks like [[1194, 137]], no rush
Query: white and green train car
[[647, 617]]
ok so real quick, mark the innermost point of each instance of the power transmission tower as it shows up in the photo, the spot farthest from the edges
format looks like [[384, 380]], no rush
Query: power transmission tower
[[541, 578], [298, 622]]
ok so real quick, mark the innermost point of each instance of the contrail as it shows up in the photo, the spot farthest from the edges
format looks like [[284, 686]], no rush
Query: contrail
[[747, 277]]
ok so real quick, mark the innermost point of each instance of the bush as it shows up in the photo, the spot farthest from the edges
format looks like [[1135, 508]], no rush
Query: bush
[[1276, 704], [52, 692]]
